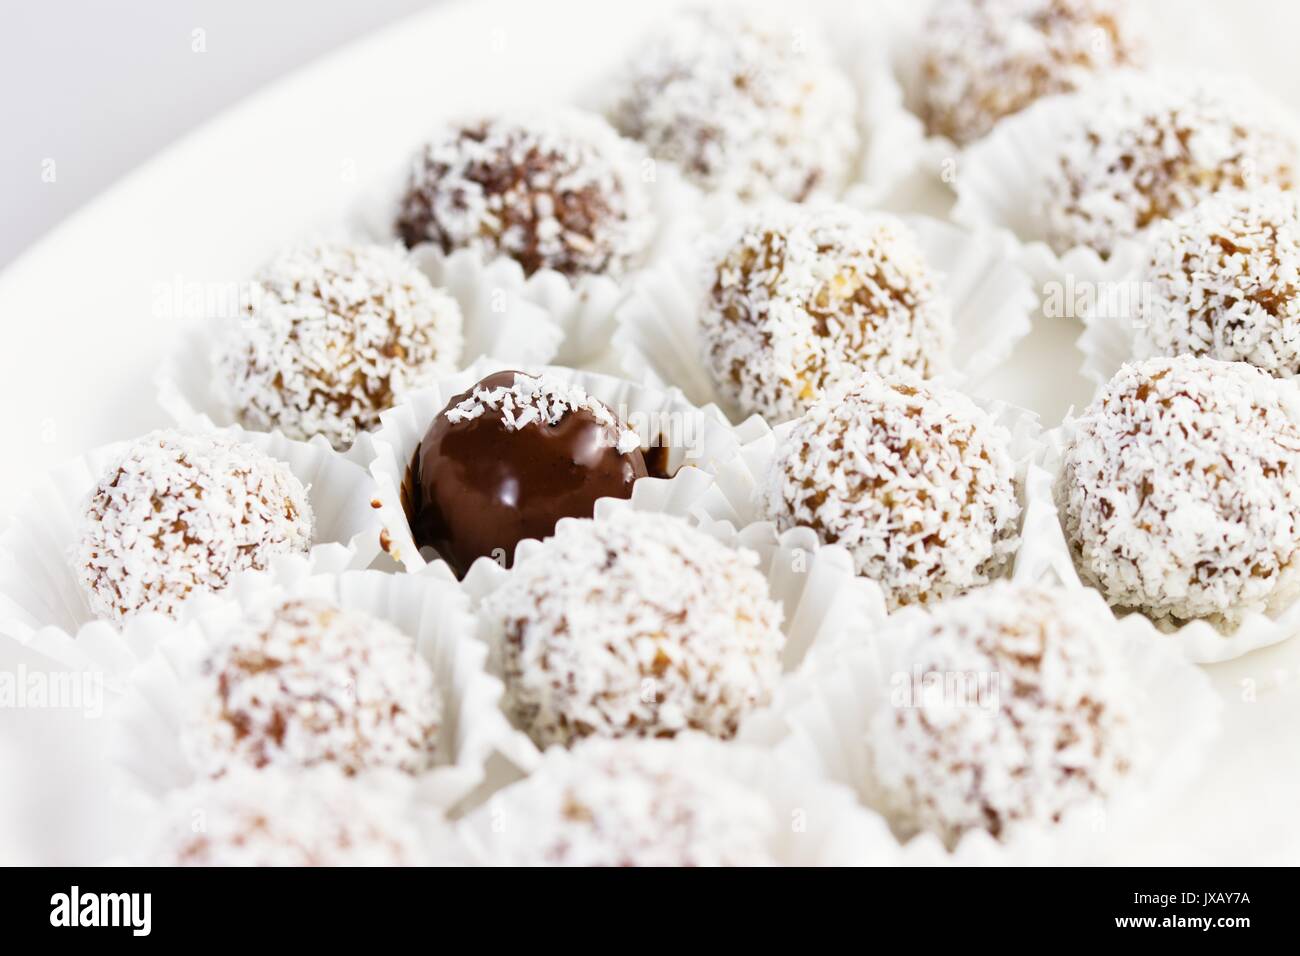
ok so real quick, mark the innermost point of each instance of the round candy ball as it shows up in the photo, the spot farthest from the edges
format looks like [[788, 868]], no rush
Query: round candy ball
[[177, 513], [636, 624]]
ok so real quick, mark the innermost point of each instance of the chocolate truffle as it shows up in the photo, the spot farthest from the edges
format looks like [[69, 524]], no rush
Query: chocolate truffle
[[631, 803], [634, 625], [915, 480], [1223, 280], [1147, 147], [746, 104], [334, 334], [982, 60], [1178, 491], [316, 817], [1043, 725], [177, 513], [307, 682], [803, 299], [510, 457], [560, 191]]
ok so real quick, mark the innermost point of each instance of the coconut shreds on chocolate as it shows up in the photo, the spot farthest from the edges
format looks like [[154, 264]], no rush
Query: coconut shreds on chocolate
[[986, 59], [307, 683], [1178, 492], [745, 103], [1223, 280], [334, 335], [316, 817], [1149, 146], [634, 625], [1017, 709], [631, 803], [178, 513], [534, 398], [915, 480], [802, 299], [557, 191]]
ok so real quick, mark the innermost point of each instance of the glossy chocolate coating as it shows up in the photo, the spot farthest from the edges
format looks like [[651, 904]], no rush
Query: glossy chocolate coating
[[477, 488]]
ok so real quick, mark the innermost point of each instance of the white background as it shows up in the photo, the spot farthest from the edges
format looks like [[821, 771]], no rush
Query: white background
[[100, 86]]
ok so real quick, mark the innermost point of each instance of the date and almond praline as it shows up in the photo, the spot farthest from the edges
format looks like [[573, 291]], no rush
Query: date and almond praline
[[510, 457]]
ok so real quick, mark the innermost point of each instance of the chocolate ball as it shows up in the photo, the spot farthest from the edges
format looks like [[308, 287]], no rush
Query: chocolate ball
[[510, 457]]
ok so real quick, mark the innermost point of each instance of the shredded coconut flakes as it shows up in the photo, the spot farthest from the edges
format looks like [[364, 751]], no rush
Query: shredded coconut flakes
[[1149, 146], [635, 625], [545, 399], [334, 335], [802, 299], [1050, 728], [745, 104], [631, 803], [986, 59], [1223, 281], [559, 191], [310, 683], [316, 817], [179, 512], [1179, 493], [914, 480]]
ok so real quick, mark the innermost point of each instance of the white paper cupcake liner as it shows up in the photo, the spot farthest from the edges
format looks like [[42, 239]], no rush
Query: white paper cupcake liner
[[821, 598], [735, 496], [1198, 641], [699, 437], [816, 822], [822, 714], [498, 320], [992, 298], [40, 599], [999, 182], [429, 607]]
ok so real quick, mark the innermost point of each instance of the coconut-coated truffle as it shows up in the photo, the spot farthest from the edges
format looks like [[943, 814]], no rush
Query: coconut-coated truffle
[[1041, 723], [334, 334], [915, 480], [630, 803], [316, 817], [634, 625], [1223, 280], [1146, 147], [177, 513], [307, 682], [556, 191], [1178, 491], [982, 60], [745, 103], [803, 299]]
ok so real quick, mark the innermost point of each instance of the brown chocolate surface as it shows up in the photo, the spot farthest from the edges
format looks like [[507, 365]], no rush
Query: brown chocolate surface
[[476, 488]]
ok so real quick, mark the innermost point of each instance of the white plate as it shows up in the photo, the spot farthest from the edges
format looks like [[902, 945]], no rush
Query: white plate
[[85, 320]]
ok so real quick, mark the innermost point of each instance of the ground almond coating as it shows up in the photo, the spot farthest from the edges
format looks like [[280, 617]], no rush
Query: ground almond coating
[[309, 683], [636, 624], [335, 334], [1011, 707], [316, 817], [745, 104], [1149, 146], [803, 299], [631, 803], [557, 191], [1223, 280], [986, 59], [1178, 492], [176, 513], [915, 480]]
